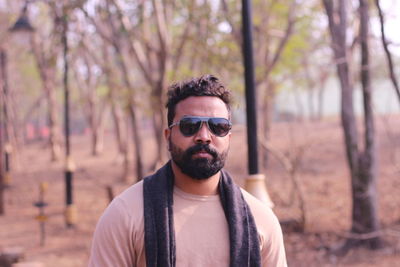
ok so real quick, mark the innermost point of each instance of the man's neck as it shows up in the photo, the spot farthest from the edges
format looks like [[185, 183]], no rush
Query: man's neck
[[193, 186]]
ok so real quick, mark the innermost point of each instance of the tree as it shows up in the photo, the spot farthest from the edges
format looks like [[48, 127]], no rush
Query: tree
[[115, 91], [281, 35], [88, 82], [362, 163], [151, 40], [107, 27], [45, 51]]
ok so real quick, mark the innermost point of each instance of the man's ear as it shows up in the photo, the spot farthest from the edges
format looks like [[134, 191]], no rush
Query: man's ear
[[167, 136]]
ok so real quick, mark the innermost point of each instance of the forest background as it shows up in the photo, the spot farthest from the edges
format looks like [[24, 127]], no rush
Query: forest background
[[327, 91]]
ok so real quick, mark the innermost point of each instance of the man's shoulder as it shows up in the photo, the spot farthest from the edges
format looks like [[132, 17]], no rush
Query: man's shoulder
[[131, 197], [261, 211], [254, 202], [133, 191]]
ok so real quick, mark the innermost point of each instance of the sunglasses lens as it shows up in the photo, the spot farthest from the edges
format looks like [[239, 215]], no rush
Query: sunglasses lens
[[189, 126], [219, 126]]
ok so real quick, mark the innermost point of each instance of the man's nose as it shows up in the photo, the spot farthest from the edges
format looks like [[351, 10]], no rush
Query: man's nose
[[203, 136]]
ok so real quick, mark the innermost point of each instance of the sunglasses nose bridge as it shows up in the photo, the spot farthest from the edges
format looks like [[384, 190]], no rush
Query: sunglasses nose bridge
[[205, 121], [206, 133]]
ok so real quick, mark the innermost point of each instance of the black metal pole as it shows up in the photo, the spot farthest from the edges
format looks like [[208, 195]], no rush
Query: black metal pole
[[7, 144], [251, 105], [68, 168], [2, 128], [7, 160], [66, 86]]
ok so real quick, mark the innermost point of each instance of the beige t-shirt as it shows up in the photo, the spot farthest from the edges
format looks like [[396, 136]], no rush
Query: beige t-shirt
[[201, 232]]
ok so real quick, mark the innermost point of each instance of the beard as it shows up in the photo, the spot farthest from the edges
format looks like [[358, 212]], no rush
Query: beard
[[198, 168]]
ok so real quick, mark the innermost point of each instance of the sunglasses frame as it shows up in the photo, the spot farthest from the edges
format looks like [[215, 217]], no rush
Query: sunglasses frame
[[202, 120]]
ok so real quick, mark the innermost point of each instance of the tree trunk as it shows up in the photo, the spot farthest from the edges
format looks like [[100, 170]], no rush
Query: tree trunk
[[153, 59], [117, 44], [163, 64], [54, 137], [365, 212], [127, 175], [116, 111], [118, 124], [270, 62], [96, 132], [321, 90], [17, 134], [47, 76], [137, 142], [98, 138], [95, 119], [267, 107], [91, 117], [159, 122], [157, 129], [87, 86], [121, 134], [361, 164], [121, 128]]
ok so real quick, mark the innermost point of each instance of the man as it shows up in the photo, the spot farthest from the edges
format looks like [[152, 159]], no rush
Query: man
[[190, 213]]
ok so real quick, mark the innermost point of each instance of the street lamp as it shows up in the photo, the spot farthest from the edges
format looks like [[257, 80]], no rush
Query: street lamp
[[70, 212], [255, 183], [70, 209], [4, 137], [22, 27]]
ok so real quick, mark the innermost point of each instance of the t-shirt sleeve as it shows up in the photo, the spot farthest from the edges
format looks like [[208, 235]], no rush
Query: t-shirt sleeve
[[273, 250], [269, 231], [112, 243]]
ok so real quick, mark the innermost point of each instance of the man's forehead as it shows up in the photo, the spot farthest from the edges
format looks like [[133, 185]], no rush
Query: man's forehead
[[202, 106]]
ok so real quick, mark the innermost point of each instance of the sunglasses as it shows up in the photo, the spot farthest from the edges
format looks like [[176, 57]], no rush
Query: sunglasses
[[190, 125]]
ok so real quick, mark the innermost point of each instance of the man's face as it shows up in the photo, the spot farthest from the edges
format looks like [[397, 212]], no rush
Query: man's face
[[203, 154]]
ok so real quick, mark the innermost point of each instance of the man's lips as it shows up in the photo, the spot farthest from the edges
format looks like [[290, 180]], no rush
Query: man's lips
[[202, 154]]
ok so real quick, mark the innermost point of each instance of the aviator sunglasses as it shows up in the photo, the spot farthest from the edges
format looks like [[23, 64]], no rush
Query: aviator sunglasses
[[190, 125]]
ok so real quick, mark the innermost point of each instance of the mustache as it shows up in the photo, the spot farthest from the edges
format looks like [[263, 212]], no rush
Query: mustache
[[202, 147]]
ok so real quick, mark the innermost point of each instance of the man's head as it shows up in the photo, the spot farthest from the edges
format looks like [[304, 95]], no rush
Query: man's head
[[207, 85], [199, 126]]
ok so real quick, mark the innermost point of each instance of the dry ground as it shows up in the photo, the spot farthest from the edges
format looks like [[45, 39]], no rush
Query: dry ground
[[323, 178]]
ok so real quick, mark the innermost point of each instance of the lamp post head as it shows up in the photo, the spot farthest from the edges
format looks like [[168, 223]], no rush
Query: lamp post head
[[22, 24], [22, 27]]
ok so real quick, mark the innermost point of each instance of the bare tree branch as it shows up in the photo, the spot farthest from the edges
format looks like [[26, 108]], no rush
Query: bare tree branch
[[135, 47], [385, 44], [291, 162], [282, 43], [235, 32], [99, 28]]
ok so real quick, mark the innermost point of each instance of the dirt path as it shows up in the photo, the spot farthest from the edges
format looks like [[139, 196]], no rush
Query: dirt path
[[323, 177]]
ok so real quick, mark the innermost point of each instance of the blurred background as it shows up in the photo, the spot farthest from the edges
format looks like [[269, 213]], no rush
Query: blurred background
[[83, 89]]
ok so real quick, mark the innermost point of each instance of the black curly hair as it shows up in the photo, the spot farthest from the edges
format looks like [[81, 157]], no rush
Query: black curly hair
[[206, 85]]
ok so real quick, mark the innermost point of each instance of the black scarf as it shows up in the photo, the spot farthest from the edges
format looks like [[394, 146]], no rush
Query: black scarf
[[159, 234]]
